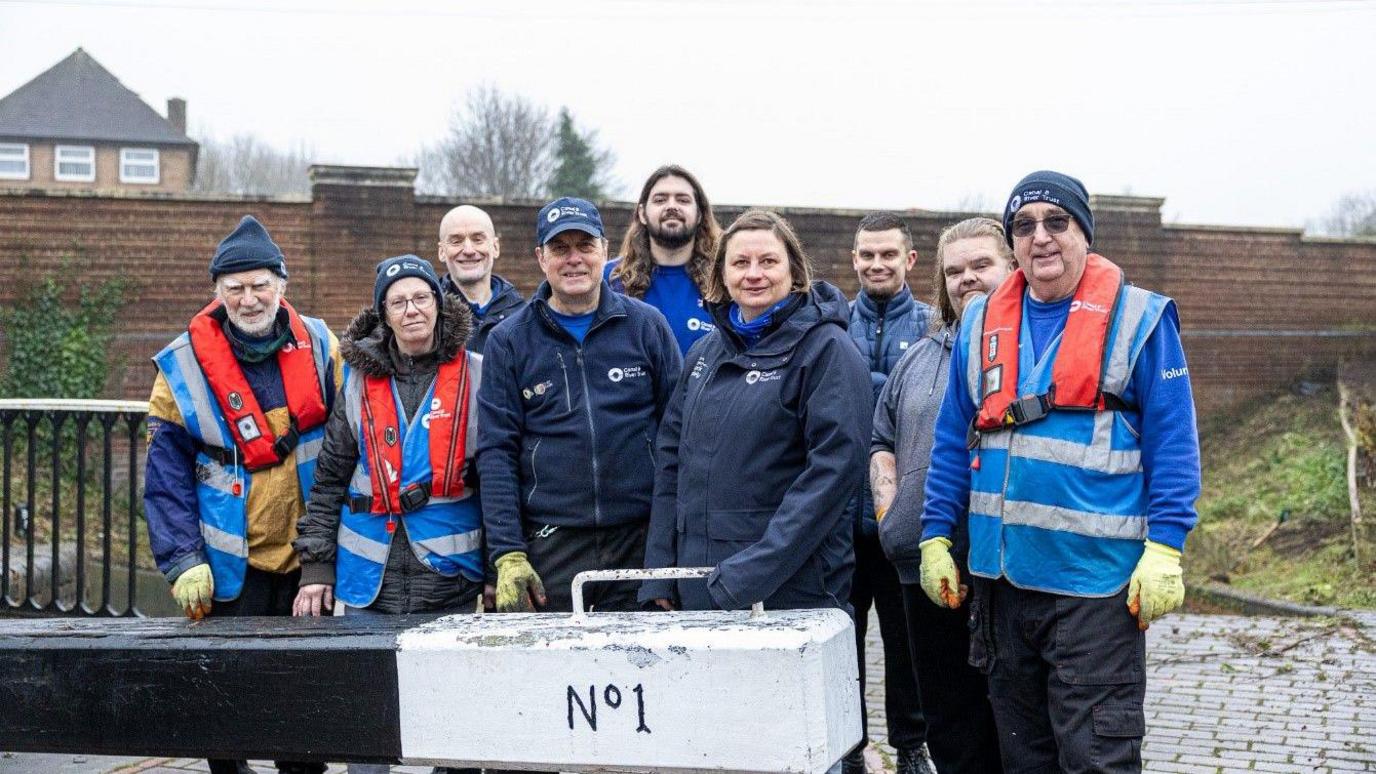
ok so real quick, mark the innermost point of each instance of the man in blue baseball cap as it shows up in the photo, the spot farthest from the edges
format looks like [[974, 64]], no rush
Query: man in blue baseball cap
[[573, 389]]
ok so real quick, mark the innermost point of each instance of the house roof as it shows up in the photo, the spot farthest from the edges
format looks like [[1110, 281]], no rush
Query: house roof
[[78, 99]]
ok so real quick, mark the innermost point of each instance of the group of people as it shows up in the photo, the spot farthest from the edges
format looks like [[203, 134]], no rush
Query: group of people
[[1006, 476]]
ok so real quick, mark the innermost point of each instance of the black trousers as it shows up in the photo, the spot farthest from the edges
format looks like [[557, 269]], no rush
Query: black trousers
[[1067, 681], [559, 553], [955, 696], [264, 593], [876, 583]]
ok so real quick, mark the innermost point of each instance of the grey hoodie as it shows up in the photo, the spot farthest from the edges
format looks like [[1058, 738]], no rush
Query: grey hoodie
[[905, 424]]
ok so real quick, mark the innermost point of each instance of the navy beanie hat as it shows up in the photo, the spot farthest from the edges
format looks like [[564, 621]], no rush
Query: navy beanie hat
[[1055, 188], [400, 267], [248, 247]]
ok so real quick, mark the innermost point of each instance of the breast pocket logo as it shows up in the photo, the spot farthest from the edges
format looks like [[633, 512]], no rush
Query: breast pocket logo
[[752, 377], [629, 372]]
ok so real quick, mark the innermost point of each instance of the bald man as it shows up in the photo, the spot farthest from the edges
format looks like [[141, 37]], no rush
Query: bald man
[[468, 247]]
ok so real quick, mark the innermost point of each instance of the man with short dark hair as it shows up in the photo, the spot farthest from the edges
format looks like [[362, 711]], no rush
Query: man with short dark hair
[[885, 320], [468, 248], [573, 389], [235, 423], [1066, 443], [668, 252]]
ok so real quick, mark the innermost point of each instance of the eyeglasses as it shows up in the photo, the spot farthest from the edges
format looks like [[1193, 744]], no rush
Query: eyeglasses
[[422, 301], [1054, 224]]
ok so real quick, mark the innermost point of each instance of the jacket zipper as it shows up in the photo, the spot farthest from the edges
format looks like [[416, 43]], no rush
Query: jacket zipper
[[564, 369], [877, 356], [592, 436]]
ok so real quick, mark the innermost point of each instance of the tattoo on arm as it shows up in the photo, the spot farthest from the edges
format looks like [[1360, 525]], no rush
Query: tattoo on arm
[[883, 478]]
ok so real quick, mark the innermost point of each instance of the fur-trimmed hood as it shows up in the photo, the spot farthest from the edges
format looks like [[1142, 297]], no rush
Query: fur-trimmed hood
[[367, 343]]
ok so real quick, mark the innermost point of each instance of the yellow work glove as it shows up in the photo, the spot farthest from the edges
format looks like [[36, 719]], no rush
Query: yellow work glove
[[1157, 585], [940, 578], [517, 582], [193, 591]]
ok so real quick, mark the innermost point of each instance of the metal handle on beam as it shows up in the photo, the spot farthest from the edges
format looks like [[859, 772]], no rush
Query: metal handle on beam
[[660, 573]]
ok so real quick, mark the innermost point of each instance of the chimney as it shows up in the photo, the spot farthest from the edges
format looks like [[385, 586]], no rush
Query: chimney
[[176, 114]]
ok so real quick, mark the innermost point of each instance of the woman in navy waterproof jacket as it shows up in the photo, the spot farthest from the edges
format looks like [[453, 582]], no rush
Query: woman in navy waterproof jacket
[[765, 438]]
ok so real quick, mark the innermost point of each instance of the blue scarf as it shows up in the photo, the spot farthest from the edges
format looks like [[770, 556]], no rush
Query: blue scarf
[[751, 332]]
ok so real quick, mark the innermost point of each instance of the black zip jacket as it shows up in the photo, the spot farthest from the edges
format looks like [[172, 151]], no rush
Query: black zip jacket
[[566, 431], [506, 301]]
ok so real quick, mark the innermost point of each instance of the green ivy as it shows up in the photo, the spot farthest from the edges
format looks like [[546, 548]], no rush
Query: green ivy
[[59, 348]]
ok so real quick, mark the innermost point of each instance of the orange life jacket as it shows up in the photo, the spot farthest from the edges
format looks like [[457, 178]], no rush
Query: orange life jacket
[[448, 428], [1077, 373], [247, 421]]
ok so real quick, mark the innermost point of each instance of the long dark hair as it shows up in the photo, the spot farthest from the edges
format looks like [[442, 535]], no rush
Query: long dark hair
[[637, 264]]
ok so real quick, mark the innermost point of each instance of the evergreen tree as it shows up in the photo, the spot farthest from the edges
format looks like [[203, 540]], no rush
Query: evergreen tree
[[580, 168]]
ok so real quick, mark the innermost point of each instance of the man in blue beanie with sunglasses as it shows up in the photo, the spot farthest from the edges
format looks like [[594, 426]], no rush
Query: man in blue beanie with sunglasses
[[234, 425], [1066, 444]]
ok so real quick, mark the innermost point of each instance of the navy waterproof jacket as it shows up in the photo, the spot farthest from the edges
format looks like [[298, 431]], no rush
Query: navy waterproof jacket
[[506, 300], [566, 431], [759, 453]]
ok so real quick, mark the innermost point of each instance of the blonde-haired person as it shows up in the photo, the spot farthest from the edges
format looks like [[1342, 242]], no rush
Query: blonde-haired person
[[972, 258], [772, 409]]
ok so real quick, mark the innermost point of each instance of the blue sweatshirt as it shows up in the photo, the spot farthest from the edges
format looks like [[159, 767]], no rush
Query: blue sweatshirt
[[676, 296], [1165, 419]]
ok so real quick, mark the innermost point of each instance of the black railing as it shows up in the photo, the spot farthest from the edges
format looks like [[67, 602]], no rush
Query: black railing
[[70, 542]]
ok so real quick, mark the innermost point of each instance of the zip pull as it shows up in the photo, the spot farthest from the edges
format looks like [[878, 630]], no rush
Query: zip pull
[[391, 524], [238, 488], [974, 463]]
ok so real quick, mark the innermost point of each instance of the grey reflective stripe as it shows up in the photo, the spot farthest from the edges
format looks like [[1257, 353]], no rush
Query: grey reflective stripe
[[1098, 456], [199, 390], [353, 400], [1059, 519], [320, 346], [215, 476], [308, 450], [360, 482], [367, 548], [987, 503], [475, 378], [974, 375], [452, 545], [1133, 308], [467, 494], [224, 542]]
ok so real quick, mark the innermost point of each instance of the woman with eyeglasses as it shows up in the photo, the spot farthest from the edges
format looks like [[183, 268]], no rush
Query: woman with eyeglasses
[[765, 437], [393, 523]]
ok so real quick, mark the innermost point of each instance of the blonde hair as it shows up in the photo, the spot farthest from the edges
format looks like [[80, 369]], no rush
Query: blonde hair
[[972, 228]]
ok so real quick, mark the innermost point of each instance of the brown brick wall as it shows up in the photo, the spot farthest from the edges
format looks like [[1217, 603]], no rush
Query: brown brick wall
[[1258, 307]]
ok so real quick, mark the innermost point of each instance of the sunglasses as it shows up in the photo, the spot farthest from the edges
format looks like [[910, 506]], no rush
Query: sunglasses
[[1054, 224]]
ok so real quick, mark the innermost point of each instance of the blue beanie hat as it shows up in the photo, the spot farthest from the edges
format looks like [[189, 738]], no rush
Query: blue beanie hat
[[248, 247], [400, 267], [1055, 188]]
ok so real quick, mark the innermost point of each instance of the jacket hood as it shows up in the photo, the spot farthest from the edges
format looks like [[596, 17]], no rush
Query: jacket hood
[[367, 343], [823, 304]]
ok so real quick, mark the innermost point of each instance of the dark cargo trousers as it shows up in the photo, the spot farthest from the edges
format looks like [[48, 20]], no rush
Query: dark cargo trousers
[[1067, 679], [560, 553]]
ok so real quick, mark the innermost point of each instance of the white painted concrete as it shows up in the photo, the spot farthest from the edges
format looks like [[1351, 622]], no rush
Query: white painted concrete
[[683, 692]]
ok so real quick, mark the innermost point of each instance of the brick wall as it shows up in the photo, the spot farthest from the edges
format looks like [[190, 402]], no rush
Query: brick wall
[[1259, 307]]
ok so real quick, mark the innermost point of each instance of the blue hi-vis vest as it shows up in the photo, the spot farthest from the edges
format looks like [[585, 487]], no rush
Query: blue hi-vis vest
[[1060, 504], [445, 534], [224, 519]]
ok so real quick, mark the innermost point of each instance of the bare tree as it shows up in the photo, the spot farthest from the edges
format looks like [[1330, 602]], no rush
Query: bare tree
[[1354, 214], [498, 144], [245, 164]]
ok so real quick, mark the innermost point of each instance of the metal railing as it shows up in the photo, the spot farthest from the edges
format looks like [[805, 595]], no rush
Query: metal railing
[[70, 529]]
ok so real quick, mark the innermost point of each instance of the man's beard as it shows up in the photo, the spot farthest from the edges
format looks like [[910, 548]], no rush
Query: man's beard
[[264, 325], [672, 240]]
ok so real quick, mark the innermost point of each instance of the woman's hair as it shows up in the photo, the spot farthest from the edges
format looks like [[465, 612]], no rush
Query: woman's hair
[[760, 220], [971, 228], [637, 264]]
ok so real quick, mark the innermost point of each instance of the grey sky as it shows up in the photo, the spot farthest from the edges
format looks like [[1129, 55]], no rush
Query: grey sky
[[1237, 111]]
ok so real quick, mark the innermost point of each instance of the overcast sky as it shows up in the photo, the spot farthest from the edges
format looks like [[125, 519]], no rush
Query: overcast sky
[[1235, 111]]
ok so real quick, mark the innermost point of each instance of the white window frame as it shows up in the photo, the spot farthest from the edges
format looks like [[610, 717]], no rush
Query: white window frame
[[57, 164], [10, 147], [155, 161]]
